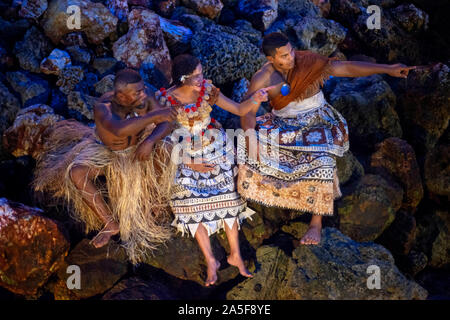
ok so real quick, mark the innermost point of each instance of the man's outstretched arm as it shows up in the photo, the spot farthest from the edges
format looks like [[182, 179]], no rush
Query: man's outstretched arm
[[363, 69]]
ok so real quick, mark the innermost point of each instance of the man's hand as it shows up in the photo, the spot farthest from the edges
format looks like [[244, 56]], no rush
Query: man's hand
[[261, 94], [144, 150], [165, 114], [399, 70]]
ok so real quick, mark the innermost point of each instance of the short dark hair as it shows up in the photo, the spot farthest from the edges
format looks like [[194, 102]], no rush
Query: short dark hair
[[125, 77], [273, 41], [183, 65]]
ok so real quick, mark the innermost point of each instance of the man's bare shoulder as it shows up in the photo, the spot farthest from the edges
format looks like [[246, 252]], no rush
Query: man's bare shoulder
[[262, 76], [103, 104]]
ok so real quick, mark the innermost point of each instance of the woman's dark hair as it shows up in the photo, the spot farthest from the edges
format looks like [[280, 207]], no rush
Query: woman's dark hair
[[273, 41], [183, 65]]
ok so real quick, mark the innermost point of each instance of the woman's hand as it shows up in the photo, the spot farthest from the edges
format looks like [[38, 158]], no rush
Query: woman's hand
[[399, 70]]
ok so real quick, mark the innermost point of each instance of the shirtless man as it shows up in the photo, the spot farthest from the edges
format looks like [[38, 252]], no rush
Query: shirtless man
[[281, 59], [121, 116]]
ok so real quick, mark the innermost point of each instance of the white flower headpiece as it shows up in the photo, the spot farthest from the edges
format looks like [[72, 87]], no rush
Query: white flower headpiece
[[183, 78]]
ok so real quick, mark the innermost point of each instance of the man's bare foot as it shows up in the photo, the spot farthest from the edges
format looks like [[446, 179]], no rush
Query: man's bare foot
[[312, 236], [213, 266], [111, 228], [236, 260]]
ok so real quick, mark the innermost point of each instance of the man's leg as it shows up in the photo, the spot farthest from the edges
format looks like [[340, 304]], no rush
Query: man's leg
[[205, 245], [235, 258], [83, 177], [312, 236]]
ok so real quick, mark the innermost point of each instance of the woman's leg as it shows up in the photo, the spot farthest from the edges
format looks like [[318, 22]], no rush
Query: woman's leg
[[235, 258], [205, 245]]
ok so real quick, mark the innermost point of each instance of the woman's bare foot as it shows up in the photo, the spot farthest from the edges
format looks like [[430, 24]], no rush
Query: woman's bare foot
[[111, 228], [312, 236], [236, 260], [213, 266]]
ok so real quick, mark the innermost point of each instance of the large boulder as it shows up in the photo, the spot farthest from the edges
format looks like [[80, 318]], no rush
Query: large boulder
[[261, 13], [368, 105], [348, 168], [138, 289], [144, 43], [99, 270], [177, 36], [338, 269], [32, 8], [34, 47], [96, 21], [208, 8], [10, 106], [182, 258], [55, 62], [437, 169], [368, 207], [423, 106], [396, 158], [227, 57], [32, 248], [31, 87], [24, 137]]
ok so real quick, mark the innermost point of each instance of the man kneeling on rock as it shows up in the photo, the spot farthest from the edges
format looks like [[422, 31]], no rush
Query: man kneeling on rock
[[133, 201]]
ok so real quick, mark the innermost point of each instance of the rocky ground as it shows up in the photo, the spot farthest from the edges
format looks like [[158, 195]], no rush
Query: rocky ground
[[395, 180]]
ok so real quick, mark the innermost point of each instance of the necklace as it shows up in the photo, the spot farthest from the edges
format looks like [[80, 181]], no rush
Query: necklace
[[285, 88]]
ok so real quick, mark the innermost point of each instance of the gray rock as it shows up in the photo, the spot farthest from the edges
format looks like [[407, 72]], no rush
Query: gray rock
[[104, 65], [261, 13], [411, 18], [177, 36], [69, 77], [34, 47], [33, 8], [10, 106], [368, 105], [208, 8], [55, 62], [337, 269], [348, 168], [31, 88], [138, 289], [227, 57], [104, 85], [81, 105], [318, 35], [79, 55], [368, 207], [298, 8]]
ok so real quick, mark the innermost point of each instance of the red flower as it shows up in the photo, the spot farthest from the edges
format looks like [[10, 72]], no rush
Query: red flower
[[187, 110], [194, 109], [198, 104], [203, 133], [210, 126], [213, 120]]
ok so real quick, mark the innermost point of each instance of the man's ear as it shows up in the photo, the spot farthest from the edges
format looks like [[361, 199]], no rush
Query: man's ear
[[270, 59]]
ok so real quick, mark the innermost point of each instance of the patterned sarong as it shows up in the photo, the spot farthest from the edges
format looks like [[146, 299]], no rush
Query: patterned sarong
[[296, 168]]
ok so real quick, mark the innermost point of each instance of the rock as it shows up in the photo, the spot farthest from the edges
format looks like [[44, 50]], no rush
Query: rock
[[256, 231], [6, 59], [59, 102], [119, 8], [33, 8], [319, 35], [433, 230], [296, 228], [81, 106], [166, 7], [416, 261], [31, 88], [208, 8], [183, 259], [367, 104], [100, 269], [399, 237], [104, 85], [32, 248], [368, 207], [297, 8], [437, 170], [396, 158], [411, 18], [10, 106], [104, 65], [11, 31], [227, 16], [337, 270], [261, 13], [227, 57], [424, 112], [32, 49], [244, 30], [95, 20], [69, 77], [73, 39], [24, 137], [144, 43], [55, 62], [177, 37], [138, 289], [79, 55], [348, 168], [324, 6]]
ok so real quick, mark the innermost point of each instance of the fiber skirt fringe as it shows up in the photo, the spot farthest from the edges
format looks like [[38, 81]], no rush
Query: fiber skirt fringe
[[137, 192], [296, 168]]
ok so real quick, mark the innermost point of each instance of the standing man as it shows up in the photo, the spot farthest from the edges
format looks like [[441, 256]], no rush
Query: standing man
[[309, 132]]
